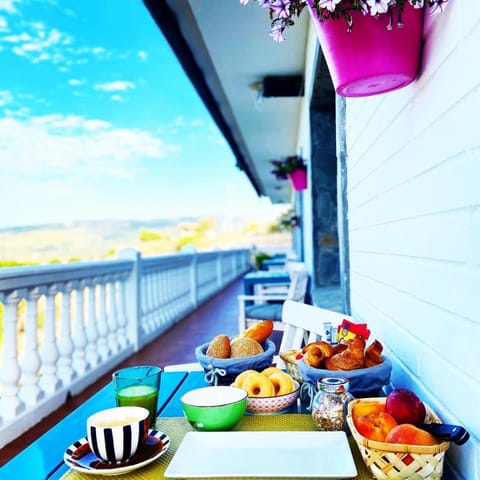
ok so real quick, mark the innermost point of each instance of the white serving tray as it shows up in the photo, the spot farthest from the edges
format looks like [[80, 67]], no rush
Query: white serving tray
[[263, 454]]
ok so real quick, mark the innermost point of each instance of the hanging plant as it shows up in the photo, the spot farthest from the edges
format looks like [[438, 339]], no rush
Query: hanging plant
[[283, 168]]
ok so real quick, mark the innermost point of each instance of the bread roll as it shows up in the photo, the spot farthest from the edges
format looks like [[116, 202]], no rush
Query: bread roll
[[219, 347], [245, 347]]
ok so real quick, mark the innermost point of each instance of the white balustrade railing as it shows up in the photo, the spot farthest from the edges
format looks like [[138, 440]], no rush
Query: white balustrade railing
[[64, 326]]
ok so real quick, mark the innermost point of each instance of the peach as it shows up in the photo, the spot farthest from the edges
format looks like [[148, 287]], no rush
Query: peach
[[409, 434], [375, 426], [405, 406], [365, 408]]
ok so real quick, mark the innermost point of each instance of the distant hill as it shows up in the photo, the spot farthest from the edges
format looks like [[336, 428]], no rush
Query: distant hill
[[93, 240]]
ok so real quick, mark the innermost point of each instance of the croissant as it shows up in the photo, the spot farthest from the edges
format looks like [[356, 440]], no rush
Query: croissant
[[349, 359], [325, 347], [314, 356], [373, 354]]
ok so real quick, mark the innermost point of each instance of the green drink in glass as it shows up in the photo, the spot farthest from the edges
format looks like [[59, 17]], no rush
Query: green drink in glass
[[138, 386]]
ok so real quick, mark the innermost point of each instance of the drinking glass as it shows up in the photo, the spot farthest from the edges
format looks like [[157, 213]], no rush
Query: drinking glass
[[138, 386]]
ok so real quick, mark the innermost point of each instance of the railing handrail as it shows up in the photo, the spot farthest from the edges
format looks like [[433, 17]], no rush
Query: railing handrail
[[12, 278], [94, 315]]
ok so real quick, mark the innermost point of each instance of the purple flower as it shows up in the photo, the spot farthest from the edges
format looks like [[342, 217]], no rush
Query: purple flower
[[243, 2], [277, 33], [363, 5], [281, 8], [328, 4], [378, 6], [263, 3], [438, 6]]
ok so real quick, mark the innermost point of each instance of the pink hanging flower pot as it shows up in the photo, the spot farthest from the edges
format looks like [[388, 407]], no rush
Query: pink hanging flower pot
[[298, 179], [374, 54]]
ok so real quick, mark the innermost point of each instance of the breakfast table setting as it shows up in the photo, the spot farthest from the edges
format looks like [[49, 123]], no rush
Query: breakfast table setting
[[228, 455], [326, 415]]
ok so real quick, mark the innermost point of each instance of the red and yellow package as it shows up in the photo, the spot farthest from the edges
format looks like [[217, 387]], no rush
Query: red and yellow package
[[348, 329]]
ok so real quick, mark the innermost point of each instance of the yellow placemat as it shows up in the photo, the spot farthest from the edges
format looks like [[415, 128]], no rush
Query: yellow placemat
[[176, 428]]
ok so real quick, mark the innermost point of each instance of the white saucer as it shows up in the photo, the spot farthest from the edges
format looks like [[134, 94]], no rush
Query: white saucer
[[156, 445]]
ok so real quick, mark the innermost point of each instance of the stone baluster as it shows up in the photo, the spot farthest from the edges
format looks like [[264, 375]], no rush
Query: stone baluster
[[121, 310], [155, 299], [80, 363], [31, 392], [143, 309], [103, 348], [10, 401], [151, 306], [112, 320], [65, 343], [167, 309], [50, 382], [91, 350]]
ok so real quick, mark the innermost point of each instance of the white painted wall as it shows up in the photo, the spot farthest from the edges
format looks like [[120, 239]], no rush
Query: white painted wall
[[414, 224]]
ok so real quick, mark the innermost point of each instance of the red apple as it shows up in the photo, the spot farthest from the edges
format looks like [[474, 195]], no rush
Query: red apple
[[375, 426], [409, 434], [405, 406]]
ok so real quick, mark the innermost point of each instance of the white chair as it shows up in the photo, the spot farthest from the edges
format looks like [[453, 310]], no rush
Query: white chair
[[303, 324], [269, 306]]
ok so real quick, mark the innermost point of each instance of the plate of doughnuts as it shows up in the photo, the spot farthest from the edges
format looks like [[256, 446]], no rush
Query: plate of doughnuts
[[270, 391]]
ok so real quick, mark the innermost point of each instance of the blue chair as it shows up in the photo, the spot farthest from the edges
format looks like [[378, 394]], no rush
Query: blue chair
[[269, 306]]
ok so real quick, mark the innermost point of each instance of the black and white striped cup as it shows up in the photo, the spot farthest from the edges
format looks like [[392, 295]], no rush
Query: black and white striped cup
[[115, 434]]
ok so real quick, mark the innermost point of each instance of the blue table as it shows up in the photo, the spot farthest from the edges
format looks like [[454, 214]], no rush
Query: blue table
[[273, 262], [43, 459], [263, 277]]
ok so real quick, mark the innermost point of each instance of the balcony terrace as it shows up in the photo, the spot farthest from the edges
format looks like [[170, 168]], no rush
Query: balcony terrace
[[82, 320], [176, 345]]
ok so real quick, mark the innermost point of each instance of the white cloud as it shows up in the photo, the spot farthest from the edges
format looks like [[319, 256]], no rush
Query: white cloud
[[8, 6], [74, 82], [3, 24], [142, 55], [117, 98], [118, 86], [5, 98], [65, 146]]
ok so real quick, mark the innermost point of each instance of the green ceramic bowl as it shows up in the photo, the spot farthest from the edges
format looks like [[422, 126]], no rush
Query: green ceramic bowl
[[214, 408]]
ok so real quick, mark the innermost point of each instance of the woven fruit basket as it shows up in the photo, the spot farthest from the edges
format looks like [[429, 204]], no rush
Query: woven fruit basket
[[289, 357], [395, 461]]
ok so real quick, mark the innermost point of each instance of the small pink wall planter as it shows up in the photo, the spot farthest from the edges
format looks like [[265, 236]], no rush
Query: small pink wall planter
[[298, 178], [371, 59]]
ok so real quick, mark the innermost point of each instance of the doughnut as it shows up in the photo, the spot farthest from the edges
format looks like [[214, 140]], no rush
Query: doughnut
[[270, 370], [282, 383], [240, 378], [258, 385]]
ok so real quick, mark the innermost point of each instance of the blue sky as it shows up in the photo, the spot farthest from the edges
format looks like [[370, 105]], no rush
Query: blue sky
[[97, 120]]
